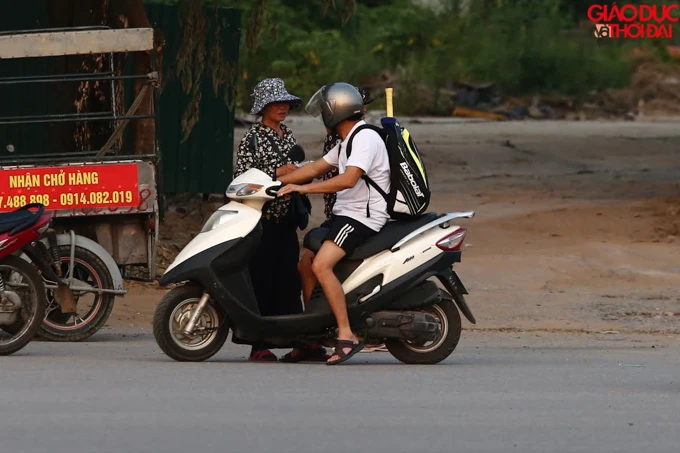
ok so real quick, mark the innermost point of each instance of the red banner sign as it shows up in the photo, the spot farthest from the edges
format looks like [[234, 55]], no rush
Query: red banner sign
[[70, 187]]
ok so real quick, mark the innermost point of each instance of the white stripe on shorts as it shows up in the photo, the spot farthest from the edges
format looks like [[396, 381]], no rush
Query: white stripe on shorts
[[342, 234]]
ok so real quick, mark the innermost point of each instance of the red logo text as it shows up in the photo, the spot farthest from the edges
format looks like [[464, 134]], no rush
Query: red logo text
[[633, 21]]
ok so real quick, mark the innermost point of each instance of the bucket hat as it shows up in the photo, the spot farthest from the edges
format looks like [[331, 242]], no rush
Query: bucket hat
[[271, 90]]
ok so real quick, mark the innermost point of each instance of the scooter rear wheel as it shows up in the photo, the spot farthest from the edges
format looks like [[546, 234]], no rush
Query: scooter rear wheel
[[437, 350], [172, 314]]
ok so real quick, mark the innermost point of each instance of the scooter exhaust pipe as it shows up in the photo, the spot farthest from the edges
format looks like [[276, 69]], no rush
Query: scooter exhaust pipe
[[402, 325], [189, 328]]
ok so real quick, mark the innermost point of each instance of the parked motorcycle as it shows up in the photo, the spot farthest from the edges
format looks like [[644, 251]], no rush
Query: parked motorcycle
[[69, 270], [391, 298], [80, 286], [22, 294]]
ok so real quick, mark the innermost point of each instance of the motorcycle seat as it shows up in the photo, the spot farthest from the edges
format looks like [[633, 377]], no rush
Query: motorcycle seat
[[11, 220], [390, 234]]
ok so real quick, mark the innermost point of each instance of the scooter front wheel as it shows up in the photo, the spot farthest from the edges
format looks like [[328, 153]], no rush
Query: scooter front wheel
[[435, 351], [171, 317]]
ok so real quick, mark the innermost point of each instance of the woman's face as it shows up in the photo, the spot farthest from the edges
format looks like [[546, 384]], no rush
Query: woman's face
[[276, 111]]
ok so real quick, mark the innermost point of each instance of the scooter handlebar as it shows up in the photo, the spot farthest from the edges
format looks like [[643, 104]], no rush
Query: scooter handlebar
[[273, 190]]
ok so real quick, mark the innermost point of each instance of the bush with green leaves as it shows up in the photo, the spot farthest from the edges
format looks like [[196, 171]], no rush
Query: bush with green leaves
[[525, 47], [522, 46]]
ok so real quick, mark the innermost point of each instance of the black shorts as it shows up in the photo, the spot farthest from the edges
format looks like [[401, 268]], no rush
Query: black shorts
[[346, 232]]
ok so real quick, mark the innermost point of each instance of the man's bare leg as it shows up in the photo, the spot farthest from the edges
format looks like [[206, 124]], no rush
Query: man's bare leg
[[325, 260], [306, 274], [309, 280]]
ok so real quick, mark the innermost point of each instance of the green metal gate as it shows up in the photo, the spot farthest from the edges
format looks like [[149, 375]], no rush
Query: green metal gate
[[202, 163]]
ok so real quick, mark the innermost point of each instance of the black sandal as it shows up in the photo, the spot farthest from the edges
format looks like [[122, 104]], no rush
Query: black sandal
[[340, 345]]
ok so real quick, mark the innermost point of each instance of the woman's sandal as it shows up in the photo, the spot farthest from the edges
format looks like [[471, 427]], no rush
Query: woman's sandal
[[340, 345], [263, 356], [305, 355]]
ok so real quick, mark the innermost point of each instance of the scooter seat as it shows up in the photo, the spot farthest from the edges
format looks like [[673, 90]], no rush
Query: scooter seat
[[10, 220], [390, 234]]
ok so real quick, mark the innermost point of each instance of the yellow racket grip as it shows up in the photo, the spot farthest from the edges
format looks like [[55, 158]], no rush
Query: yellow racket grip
[[388, 101]]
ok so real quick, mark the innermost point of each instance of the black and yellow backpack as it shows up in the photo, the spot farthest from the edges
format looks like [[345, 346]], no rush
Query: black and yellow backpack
[[409, 194]]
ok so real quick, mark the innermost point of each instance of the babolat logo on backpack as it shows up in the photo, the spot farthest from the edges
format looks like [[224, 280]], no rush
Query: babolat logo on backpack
[[409, 192]]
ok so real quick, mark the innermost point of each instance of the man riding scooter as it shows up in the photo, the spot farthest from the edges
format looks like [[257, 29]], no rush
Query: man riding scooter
[[359, 212], [387, 289]]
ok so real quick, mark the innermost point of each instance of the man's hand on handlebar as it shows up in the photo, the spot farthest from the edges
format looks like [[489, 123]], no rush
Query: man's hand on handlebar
[[286, 169], [306, 172]]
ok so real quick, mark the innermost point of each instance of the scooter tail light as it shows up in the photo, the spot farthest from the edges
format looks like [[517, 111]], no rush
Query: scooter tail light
[[452, 242]]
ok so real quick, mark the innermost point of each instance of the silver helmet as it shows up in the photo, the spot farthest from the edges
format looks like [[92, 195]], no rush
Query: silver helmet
[[335, 103]]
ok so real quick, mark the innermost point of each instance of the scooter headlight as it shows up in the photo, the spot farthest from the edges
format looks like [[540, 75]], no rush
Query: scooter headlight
[[242, 190], [217, 219]]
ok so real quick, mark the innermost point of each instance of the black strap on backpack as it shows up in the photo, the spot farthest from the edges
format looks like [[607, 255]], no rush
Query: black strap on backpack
[[365, 177]]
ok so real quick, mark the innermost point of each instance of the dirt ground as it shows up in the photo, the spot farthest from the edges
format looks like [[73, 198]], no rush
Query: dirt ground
[[577, 224]]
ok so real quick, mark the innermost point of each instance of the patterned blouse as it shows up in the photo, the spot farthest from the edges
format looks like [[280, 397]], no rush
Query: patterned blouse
[[272, 153], [329, 198]]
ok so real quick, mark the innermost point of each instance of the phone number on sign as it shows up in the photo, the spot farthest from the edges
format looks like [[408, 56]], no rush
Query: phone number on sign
[[68, 199]]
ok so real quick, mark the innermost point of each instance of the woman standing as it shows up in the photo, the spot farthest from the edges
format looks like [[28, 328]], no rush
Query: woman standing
[[265, 146]]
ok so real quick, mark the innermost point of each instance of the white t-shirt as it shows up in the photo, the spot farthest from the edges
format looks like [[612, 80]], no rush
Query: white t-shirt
[[369, 154]]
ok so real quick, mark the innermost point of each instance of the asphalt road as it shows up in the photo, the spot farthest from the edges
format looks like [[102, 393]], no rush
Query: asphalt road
[[498, 393]]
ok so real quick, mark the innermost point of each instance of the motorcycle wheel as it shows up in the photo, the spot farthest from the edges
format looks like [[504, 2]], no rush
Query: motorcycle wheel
[[172, 314], [93, 309], [33, 301], [435, 351]]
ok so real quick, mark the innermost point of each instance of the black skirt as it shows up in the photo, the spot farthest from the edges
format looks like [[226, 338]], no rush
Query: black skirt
[[274, 269]]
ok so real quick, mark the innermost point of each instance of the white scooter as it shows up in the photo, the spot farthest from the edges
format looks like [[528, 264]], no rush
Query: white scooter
[[391, 298]]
